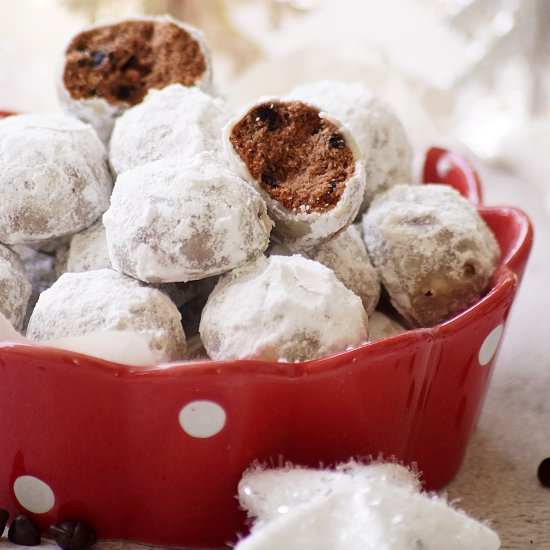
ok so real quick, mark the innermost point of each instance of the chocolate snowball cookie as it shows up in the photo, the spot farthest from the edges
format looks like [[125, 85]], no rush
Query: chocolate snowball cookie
[[54, 177], [281, 308], [347, 256], [15, 288], [306, 166], [173, 122], [377, 130], [434, 253], [175, 221], [104, 300], [109, 67]]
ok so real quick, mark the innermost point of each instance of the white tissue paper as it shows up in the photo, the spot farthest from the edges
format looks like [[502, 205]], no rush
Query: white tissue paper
[[354, 507]]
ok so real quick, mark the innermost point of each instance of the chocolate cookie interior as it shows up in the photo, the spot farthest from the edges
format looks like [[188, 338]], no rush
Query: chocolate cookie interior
[[300, 159], [121, 62]]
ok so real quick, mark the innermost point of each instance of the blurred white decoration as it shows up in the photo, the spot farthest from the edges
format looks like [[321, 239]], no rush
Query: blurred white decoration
[[508, 82]]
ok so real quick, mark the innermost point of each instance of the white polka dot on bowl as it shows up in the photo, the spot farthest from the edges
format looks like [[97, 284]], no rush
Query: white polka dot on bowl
[[490, 345], [202, 419], [33, 494]]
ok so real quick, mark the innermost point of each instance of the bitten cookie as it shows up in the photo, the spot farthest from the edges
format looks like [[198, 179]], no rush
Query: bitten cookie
[[173, 221], [54, 177], [109, 67], [434, 253], [377, 130], [104, 300], [306, 166], [176, 121], [281, 308]]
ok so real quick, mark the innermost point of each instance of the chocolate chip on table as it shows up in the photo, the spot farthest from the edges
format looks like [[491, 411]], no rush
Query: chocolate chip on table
[[23, 532], [543, 472], [73, 535], [4, 515]]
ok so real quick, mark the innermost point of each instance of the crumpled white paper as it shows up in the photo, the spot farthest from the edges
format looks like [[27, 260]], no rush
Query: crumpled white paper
[[128, 348]]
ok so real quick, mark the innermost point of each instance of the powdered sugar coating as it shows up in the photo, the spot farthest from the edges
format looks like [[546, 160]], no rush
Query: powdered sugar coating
[[176, 121], [172, 221], [102, 114], [378, 132], [347, 256], [433, 251], [104, 300], [54, 177], [281, 308], [300, 230], [15, 288], [87, 250]]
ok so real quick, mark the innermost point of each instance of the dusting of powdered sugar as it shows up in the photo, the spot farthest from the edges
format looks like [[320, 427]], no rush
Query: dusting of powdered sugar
[[175, 221], [86, 251], [176, 121], [382, 326], [281, 308], [15, 288], [104, 300], [300, 230], [347, 256], [379, 133], [433, 251], [54, 177]]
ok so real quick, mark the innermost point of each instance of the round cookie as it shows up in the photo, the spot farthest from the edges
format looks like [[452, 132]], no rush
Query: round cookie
[[378, 132], [347, 256], [105, 300], [281, 308], [306, 166], [171, 221], [85, 251], [15, 288], [109, 67], [173, 122], [54, 177], [433, 252]]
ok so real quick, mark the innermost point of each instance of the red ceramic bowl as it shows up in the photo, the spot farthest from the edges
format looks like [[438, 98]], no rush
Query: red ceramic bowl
[[155, 454]]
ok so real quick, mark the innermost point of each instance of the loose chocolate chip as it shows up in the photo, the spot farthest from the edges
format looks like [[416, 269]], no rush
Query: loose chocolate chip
[[23, 532], [269, 114], [336, 141], [97, 59], [4, 515], [543, 472], [268, 181], [73, 535]]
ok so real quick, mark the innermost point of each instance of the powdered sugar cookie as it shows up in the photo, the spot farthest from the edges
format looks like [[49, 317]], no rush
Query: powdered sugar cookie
[[15, 288], [172, 221], [281, 308], [347, 256], [109, 67], [434, 253], [378, 132], [54, 177], [173, 122], [104, 300], [305, 164]]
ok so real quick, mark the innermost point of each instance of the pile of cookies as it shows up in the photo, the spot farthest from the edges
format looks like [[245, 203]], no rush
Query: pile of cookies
[[150, 207]]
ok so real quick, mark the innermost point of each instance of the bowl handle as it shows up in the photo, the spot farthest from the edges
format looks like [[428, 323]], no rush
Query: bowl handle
[[442, 166]]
